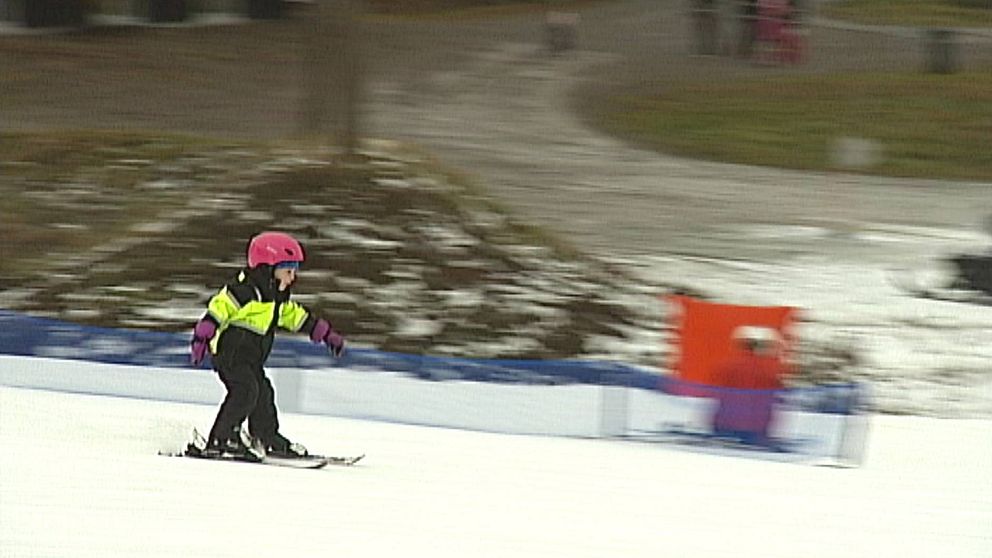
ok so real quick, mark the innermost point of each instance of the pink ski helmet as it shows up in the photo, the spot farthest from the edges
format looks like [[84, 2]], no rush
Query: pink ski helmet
[[272, 248]]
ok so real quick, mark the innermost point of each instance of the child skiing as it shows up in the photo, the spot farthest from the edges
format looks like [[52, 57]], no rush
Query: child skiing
[[238, 329]]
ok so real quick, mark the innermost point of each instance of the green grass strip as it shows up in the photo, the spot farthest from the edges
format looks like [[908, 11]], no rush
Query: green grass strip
[[926, 125]]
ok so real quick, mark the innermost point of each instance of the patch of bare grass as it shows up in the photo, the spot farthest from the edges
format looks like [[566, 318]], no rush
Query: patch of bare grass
[[933, 126], [921, 13]]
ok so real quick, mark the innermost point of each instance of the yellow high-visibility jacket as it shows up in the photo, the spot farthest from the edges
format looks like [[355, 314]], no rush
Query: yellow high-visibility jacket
[[247, 311]]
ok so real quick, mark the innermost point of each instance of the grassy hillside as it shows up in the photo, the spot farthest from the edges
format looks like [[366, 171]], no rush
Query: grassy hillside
[[922, 13], [922, 125]]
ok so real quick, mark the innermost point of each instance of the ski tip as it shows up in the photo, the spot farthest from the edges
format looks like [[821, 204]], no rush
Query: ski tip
[[346, 461]]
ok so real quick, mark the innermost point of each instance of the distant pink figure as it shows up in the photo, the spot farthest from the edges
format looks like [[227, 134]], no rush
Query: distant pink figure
[[777, 34]]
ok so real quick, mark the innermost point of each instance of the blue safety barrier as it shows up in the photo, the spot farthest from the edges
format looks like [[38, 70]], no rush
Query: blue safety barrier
[[43, 337], [33, 336]]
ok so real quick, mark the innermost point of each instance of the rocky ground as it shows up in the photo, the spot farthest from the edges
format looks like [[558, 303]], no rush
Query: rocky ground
[[139, 232]]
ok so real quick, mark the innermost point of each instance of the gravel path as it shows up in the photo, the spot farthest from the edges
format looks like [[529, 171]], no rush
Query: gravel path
[[506, 114]]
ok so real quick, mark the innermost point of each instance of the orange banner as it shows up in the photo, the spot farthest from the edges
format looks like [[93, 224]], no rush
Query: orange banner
[[709, 344]]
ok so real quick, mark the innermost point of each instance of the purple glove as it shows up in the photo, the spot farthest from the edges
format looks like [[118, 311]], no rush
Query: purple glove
[[202, 334], [323, 332]]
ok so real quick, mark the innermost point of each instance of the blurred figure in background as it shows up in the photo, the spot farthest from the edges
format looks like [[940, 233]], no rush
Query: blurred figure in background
[[562, 31], [748, 21], [745, 407], [778, 32], [706, 19]]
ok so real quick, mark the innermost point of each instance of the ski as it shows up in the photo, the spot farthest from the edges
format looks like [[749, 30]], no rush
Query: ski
[[295, 463], [306, 462], [195, 449], [343, 461]]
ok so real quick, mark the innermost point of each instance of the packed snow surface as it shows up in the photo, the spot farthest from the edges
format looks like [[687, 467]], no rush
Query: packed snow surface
[[81, 477]]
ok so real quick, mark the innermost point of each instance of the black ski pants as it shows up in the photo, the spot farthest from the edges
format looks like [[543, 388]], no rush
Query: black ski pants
[[249, 396]]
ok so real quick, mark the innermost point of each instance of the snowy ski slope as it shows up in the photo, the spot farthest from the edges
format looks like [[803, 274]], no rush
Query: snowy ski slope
[[80, 478]]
